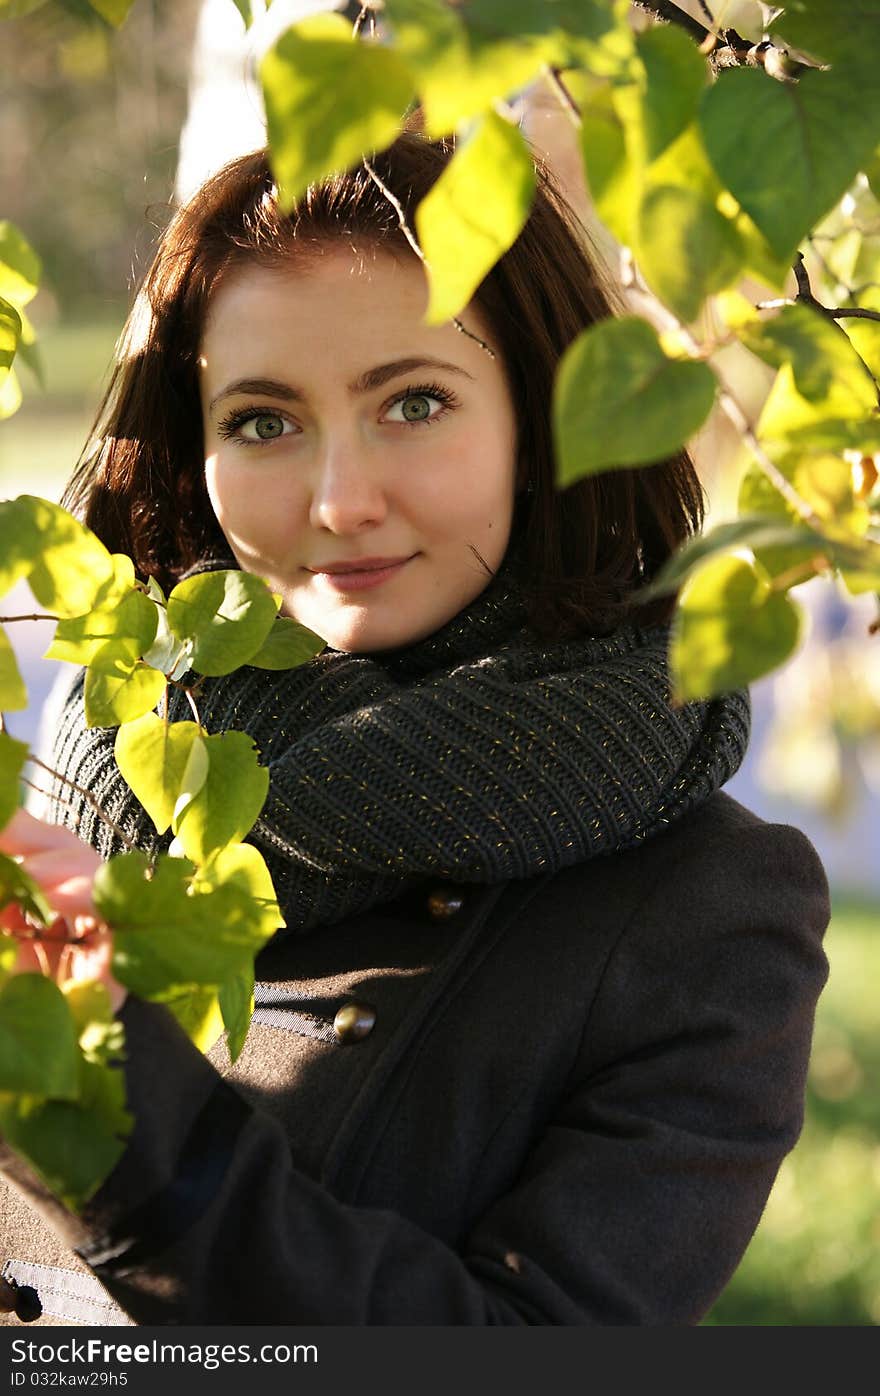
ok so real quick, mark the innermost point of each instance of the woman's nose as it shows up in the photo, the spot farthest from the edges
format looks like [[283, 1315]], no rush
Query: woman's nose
[[348, 493]]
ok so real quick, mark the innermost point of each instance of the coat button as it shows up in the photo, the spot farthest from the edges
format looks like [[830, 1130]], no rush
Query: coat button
[[445, 903], [354, 1021]]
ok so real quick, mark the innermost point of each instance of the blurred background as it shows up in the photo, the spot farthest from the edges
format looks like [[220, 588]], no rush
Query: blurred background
[[101, 131]]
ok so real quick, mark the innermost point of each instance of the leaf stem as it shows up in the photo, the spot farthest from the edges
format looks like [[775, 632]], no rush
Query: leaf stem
[[190, 698], [802, 572]]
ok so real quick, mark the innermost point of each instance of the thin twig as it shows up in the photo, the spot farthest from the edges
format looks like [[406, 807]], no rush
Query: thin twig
[[8, 620], [356, 27], [89, 799], [410, 237], [398, 208], [844, 313], [833, 312], [735, 414], [569, 105]]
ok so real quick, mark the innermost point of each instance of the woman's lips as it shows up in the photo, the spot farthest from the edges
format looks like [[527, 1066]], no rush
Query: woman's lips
[[360, 581]]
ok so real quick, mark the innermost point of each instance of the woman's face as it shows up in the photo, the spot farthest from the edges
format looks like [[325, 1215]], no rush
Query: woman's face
[[353, 456]]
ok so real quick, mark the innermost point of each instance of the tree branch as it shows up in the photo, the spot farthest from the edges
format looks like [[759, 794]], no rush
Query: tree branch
[[728, 48], [663, 9]]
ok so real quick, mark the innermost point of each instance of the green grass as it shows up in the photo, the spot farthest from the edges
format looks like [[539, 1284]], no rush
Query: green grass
[[815, 1258]]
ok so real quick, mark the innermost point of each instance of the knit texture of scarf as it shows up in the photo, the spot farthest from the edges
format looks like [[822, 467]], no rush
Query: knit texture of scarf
[[477, 755]]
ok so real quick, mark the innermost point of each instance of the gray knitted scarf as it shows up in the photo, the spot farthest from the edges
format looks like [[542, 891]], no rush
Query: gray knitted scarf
[[478, 754]]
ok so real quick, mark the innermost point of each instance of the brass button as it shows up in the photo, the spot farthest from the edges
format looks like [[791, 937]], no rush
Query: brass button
[[444, 903], [354, 1021]]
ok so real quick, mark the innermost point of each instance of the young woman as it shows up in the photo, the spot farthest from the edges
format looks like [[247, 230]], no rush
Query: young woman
[[534, 1042]]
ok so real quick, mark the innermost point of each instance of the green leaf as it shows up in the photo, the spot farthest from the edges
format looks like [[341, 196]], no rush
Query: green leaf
[[791, 424], [13, 694], [100, 1035], [72, 1146], [474, 213], [38, 1053], [834, 31], [166, 934], [246, 10], [70, 569], [460, 74], [10, 395], [614, 179], [119, 687], [133, 617], [686, 249], [20, 267], [242, 866], [197, 1010], [823, 361], [10, 334], [237, 1008], [822, 481], [864, 336], [114, 11], [594, 33], [729, 629], [287, 645], [167, 653], [224, 616], [675, 74], [330, 99], [155, 759], [787, 150], [8, 953], [755, 530], [29, 354], [13, 755], [229, 799], [641, 132], [19, 543], [619, 401], [18, 886]]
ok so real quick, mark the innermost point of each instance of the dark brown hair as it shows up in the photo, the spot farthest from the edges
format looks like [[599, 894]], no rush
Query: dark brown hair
[[140, 483]]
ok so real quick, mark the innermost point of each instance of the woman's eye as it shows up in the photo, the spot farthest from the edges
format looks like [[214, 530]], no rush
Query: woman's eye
[[264, 426], [417, 407]]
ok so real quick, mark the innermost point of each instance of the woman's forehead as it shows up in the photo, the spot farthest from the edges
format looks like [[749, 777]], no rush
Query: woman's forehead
[[341, 309]]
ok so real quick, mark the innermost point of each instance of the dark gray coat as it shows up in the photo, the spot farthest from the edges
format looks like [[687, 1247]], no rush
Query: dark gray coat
[[562, 1102]]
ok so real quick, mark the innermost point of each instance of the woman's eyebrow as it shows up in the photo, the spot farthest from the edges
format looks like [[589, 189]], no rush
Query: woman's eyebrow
[[364, 383]]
